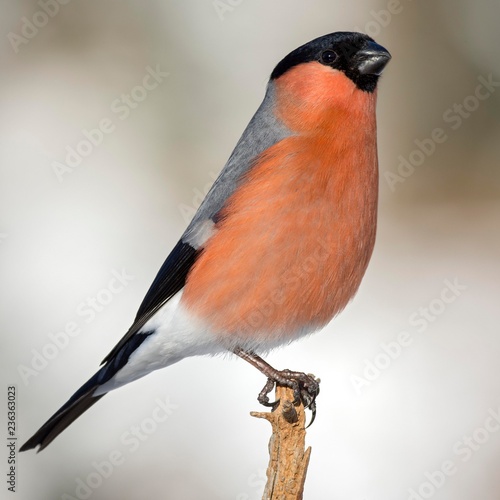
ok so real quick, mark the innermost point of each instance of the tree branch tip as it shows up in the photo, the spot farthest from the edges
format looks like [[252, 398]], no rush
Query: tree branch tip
[[262, 414]]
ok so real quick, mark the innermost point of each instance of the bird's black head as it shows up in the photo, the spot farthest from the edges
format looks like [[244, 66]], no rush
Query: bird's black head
[[355, 54]]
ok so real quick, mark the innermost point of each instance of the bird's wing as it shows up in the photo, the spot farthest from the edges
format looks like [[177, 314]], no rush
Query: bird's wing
[[263, 131]]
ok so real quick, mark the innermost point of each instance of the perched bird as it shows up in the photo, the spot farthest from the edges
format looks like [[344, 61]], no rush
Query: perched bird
[[283, 238]]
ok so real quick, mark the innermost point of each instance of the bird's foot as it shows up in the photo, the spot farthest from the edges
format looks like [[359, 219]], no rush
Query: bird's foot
[[305, 389], [305, 386]]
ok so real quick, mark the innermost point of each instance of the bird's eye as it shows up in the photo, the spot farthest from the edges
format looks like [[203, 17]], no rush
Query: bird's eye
[[328, 56]]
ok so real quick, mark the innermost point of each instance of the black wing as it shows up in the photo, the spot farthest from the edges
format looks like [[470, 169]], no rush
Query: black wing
[[170, 279]]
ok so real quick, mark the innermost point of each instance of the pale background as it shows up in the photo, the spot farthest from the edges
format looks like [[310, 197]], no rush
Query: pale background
[[122, 208]]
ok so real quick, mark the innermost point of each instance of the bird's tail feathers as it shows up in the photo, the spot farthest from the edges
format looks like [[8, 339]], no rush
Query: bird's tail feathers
[[80, 402]]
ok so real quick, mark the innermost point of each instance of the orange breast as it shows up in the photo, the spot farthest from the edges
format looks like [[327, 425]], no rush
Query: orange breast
[[294, 240]]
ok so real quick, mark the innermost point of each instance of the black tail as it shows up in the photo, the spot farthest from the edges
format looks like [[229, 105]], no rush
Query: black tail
[[83, 398], [80, 402]]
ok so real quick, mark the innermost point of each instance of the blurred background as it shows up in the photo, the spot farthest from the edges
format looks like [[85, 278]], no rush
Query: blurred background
[[100, 176]]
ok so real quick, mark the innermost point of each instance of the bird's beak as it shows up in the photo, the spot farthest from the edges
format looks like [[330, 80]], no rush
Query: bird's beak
[[372, 59]]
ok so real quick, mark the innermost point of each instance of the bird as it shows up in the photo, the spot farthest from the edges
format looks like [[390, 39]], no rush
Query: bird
[[280, 243]]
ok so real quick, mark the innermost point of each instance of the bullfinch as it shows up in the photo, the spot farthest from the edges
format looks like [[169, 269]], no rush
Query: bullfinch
[[282, 240]]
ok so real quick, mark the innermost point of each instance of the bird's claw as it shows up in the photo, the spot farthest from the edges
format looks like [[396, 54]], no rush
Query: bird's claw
[[305, 390]]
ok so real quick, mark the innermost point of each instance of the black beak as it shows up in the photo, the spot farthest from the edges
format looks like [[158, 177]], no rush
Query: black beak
[[372, 59]]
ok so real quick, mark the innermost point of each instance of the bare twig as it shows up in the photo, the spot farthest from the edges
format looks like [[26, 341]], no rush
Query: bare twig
[[288, 460]]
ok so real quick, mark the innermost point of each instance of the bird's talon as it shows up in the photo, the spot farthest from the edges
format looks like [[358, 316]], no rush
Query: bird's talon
[[312, 407], [275, 405]]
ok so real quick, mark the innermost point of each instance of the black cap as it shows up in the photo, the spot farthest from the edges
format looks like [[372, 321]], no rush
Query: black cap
[[357, 55]]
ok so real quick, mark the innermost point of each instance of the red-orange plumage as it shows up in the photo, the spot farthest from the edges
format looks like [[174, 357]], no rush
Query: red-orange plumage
[[295, 238]]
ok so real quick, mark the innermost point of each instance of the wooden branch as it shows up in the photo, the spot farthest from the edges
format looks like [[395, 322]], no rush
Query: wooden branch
[[288, 461]]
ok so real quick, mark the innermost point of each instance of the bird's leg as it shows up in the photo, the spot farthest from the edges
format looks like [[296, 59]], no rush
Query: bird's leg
[[305, 386]]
